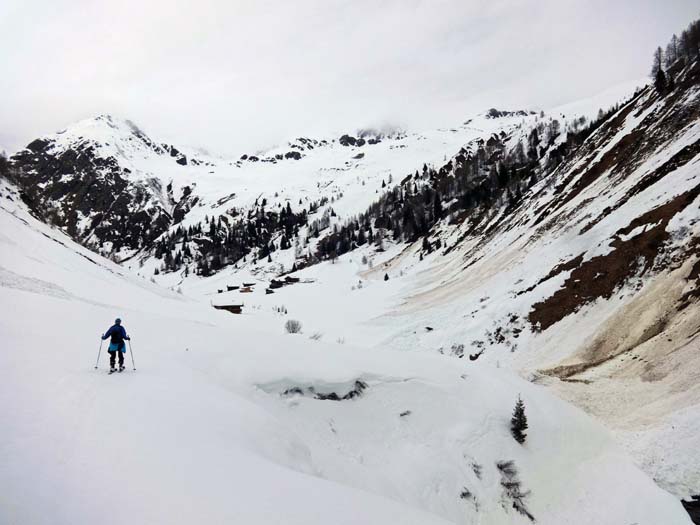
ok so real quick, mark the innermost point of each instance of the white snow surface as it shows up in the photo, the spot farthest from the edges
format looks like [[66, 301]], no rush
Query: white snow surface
[[201, 431]]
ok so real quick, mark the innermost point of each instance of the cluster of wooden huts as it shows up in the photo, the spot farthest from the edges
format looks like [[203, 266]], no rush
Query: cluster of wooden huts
[[275, 283], [248, 288]]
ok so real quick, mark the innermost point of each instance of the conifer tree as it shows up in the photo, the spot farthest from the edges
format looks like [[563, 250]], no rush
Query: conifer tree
[[660, 81], [658, 62], [518, 423], [437, 207]]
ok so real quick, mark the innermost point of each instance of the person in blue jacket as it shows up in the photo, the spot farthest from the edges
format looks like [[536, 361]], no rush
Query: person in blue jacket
[[117, 335]]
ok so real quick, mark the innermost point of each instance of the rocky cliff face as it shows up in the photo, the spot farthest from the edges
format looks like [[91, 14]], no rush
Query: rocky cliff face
[[87, 181]]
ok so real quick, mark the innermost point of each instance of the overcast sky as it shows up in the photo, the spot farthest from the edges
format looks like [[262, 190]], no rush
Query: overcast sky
[[234, 76]]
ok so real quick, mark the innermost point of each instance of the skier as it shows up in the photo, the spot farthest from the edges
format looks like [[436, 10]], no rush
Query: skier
[[116, 344]]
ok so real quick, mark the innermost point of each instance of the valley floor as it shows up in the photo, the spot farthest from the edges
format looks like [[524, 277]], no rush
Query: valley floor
[[227, 418]]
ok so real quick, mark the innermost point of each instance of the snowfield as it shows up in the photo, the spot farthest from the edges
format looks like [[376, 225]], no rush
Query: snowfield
[[393, 403], [228, 419]]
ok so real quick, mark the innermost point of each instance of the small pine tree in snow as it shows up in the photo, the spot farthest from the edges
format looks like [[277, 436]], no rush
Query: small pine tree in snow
[[518, 423]]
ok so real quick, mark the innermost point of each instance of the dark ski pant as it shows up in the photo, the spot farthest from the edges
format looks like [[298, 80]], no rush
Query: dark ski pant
[[113, 355]]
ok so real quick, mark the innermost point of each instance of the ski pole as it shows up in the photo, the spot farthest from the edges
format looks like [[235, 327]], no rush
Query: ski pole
[[98, 354], [131, 351]]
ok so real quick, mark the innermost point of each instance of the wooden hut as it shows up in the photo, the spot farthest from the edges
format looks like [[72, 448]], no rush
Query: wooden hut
[[233, 308]]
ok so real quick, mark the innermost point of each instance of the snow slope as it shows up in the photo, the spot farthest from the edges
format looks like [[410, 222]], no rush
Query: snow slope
[[604, 253], [219, 424], [612, 235], [225, 412], [589, 107]]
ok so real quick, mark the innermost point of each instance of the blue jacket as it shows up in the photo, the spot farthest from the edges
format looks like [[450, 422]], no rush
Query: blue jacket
[[118, 335]]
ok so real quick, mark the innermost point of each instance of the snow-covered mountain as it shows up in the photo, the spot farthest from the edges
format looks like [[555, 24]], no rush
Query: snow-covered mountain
[[114, 189], [560, 254]]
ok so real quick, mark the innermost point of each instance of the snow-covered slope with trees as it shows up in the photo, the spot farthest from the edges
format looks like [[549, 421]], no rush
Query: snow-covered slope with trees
[[589, 283], [121, 193], [225, 420]]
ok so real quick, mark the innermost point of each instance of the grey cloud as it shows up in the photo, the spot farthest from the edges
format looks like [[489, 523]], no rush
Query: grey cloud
[[234, 76]]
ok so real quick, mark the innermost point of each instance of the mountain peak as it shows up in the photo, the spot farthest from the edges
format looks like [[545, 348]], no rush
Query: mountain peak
[[102, 127], [497, 113]]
